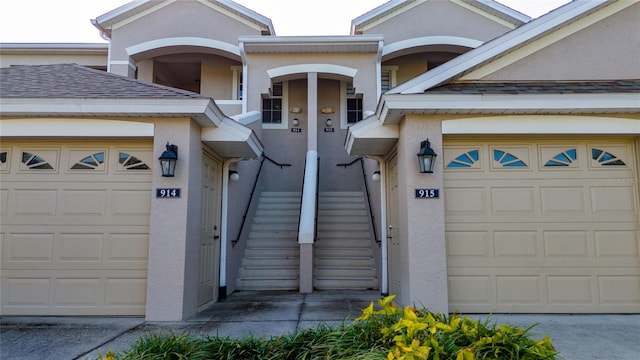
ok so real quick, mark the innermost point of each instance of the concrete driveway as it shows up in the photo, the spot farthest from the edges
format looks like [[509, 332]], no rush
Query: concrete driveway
[[577, 337]]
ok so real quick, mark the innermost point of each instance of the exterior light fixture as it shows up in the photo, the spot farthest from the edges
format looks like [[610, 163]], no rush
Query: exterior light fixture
[[376, 176], [168, 160], [233, 175], [329, 122], [426, 157], [296, 122]]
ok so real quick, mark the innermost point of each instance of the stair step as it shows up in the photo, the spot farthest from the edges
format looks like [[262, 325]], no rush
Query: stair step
[[275, 253], [270, 262], [278, 206], [340, 235], [321, 252], [270, 284], [271, 243], [353, 227], [293, 213], [276, 219], [269, 273], [353, 284], [340, 194], [324, 218], [340, 206], [342, 212], [343, 273], [342, 262], [275, 227], [279, 193]]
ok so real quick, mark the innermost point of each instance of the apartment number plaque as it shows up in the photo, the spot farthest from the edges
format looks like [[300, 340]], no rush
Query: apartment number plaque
[[427, 193], [296, 130], [166, 193]]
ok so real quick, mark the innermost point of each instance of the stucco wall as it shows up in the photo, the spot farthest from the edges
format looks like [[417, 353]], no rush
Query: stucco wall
[[606, 50], [438, 18], [178, 19], [422, 250], [174, 236]]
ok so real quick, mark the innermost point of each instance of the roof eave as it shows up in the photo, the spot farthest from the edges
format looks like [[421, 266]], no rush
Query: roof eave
[[203, 111], [394, 107]]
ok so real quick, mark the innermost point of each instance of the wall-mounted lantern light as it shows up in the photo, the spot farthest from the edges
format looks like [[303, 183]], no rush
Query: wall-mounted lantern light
[[426, 157], [376, 176], [296, 122], [233, 175], [329, 122], [168, 160]]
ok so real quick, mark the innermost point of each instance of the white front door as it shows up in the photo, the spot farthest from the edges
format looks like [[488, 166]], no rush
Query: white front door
[[393, 236], [209, 232]]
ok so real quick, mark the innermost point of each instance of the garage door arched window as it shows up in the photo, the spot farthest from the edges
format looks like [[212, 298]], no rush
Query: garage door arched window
[[35, 162], [130, 162], [506, 159], [90, 162], [605, 158], [564, 158]]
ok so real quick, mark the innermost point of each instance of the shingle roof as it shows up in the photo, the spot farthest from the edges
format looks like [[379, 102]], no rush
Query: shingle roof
[[549, 87], [69, 81]]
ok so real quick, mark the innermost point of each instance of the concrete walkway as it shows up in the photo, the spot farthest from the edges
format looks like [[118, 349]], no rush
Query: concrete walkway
[[266, 314]]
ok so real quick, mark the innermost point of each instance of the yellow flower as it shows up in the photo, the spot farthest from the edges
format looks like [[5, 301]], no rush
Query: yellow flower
[[366, 313]]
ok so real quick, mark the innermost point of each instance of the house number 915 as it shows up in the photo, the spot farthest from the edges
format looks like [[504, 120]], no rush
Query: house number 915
[[427, 193]]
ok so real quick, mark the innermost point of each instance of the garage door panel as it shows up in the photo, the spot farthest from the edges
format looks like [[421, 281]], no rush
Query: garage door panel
[[74, 292], [619, 200], [557, 234], [520, 289], [75, 231]]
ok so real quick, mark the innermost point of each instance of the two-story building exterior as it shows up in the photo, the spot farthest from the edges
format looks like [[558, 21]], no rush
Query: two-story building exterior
[[297, 165]]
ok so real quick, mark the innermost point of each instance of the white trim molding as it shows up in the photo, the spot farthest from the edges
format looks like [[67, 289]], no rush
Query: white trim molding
[[309, 68], [430, 40], [539, 124], [182, 41], [75, 128]]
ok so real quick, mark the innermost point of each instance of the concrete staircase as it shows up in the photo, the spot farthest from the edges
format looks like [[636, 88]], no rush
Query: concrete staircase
[[272, 256], [343, 252]]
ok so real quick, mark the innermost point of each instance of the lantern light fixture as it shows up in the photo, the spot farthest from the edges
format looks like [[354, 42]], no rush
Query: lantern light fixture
[[168, 160], [233, 175], [426, 157]]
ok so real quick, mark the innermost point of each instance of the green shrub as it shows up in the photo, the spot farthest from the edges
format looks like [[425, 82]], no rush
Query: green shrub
[[388, 332]]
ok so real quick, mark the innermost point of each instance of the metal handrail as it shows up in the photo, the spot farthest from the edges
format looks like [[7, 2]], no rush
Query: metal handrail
[[251, 196], [366, 189], [274, 162]]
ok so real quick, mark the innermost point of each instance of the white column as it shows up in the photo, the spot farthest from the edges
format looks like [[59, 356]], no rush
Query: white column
[[312, 113]]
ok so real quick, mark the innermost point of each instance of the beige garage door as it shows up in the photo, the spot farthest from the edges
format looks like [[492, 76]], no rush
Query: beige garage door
[[542, 226], [75, 227]]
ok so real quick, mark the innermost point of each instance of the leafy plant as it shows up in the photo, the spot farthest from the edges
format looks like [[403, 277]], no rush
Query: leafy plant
[[388, 332], [420, 334]]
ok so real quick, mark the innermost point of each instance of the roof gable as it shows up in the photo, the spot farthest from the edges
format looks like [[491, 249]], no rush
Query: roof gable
[[106, 22], [537, 29], [600, 46], [394, 8]]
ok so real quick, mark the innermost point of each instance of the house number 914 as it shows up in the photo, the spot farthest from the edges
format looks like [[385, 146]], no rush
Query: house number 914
[[167, 193], [427, 193]]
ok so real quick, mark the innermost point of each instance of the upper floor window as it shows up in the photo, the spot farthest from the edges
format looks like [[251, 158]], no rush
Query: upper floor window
[[237, 83], [387, 78], [354, 105], [272, 105]]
